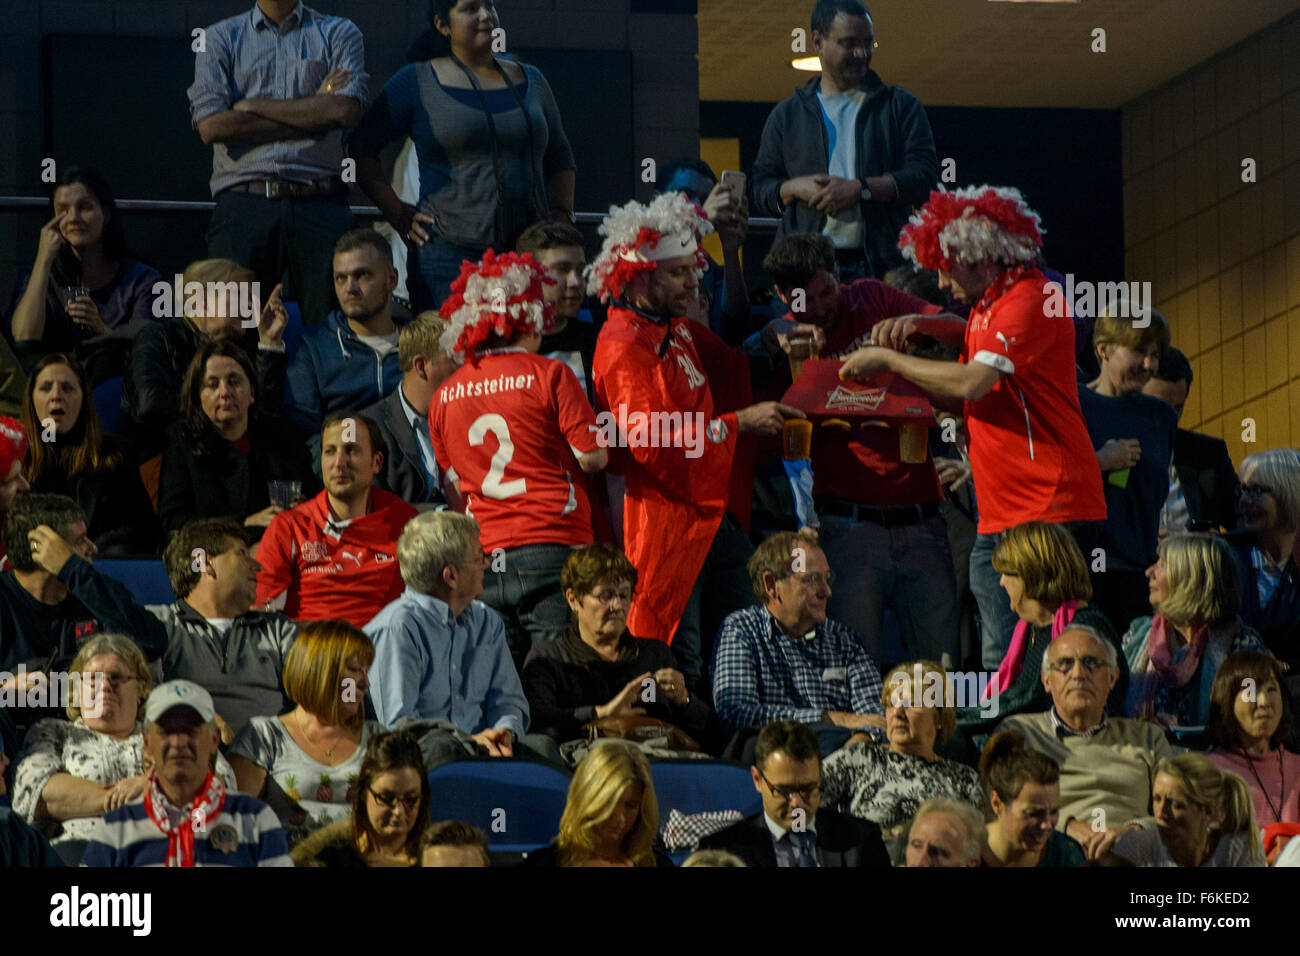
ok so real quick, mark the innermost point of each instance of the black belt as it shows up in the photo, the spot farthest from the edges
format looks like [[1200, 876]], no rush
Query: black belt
[[886, 517], [285, 189]]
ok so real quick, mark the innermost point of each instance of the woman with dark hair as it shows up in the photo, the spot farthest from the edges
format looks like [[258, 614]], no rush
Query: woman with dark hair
[[1250, 720], [70, 455], [83, 249], [492, 151], [1024, 793], [390, 811], [222, 454]]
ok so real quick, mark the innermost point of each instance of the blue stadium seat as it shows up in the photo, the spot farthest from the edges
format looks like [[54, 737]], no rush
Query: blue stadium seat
[[531, 795], [293, 330], [700, 786], [147, 579], [108, 403]]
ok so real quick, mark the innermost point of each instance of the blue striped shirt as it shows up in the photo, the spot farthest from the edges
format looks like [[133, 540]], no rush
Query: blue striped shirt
[[127, 837], [761, 674], [248, 57]]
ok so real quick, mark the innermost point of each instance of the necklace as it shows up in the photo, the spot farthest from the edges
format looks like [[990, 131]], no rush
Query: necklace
[[302, 726], [1281, 773]]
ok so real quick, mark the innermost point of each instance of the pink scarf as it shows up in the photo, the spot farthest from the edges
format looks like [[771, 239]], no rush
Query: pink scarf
[[1156, 669], [1011, 665], [180, 838]]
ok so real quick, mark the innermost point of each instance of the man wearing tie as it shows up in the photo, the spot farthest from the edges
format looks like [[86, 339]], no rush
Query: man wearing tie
[[412, 471], [792, 830]]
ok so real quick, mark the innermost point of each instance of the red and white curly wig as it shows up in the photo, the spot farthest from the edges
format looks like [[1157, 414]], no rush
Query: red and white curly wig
[[13, 444], [501, 295], [973, 225], [637, 237]]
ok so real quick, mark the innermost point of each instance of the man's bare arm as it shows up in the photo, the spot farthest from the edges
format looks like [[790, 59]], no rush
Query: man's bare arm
[[243, 129], [313, 114]]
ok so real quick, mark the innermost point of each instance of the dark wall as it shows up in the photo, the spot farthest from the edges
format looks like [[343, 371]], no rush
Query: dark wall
[[1066, 162]]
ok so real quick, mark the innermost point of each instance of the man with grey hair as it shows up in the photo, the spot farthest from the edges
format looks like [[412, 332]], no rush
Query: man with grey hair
[[1108, 764], [439, 653], [946, 832]]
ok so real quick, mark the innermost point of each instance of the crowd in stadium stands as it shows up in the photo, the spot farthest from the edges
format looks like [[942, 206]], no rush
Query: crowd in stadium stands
[[589, 520]]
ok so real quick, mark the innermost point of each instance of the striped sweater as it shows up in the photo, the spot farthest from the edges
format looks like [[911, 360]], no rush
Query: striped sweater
[[127, 837]]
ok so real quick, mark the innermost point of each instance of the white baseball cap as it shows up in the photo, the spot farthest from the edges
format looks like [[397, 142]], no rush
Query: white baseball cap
[[179, 693]]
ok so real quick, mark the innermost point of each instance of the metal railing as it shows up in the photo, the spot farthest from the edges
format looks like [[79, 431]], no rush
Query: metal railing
[[760, 223]]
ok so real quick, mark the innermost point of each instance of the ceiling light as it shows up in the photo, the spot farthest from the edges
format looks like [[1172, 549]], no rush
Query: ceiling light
[[812, 64]]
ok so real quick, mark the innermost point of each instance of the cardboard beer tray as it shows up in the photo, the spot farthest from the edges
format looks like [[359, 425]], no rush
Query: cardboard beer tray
[[886, 398]]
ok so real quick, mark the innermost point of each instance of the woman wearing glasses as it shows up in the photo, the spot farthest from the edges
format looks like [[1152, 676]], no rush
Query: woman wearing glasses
[[1270, 508], [887, 784], [70, 774], [1174, 654], [598, 669], [390, 811], [305, 764]]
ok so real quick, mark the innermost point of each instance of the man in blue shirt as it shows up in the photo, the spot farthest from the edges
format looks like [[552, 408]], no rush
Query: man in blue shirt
[[439, 653], [273, 90], [784, 660]]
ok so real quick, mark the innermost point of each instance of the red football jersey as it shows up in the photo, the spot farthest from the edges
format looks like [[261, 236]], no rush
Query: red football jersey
[[1031, 457], [508, 428], [314, 568]]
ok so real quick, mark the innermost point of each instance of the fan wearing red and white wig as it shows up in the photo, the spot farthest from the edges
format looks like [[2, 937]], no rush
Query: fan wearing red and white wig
[[515, 436], [1031, 456]]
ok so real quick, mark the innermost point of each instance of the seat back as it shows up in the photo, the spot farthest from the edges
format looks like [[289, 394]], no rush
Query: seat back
[[517, 803], [147, 578], [701, 786], [108, 403]]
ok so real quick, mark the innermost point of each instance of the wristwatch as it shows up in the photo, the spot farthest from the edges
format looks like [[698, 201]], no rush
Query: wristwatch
[[866, 191]]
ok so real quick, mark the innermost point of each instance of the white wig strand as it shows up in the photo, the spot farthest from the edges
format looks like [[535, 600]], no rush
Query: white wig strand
[[971, 239]]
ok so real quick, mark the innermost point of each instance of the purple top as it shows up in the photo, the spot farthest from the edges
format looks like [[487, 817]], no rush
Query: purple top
[[125, 305]]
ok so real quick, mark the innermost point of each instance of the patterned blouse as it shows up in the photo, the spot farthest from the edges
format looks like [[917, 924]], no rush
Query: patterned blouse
[[886, 787], [57, 746]]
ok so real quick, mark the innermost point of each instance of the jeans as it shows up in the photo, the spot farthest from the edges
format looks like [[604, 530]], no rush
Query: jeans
[[523, 586], [722, 587], [431, 270], [908, 567], [283, 240]]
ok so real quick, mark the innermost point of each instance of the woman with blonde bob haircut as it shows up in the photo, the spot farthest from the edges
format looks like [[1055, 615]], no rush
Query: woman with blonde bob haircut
[[1046, 579], [1174, 654], [1203, 817], [305, 763], [611, 815]]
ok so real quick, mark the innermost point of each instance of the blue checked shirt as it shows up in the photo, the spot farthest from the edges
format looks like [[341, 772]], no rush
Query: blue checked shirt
[[247, 56], [761, 674]]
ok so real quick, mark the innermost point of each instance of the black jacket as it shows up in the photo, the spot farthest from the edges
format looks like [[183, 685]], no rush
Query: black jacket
[[1209, 482], [119, 514], [1278, 624], [842, 840], [228, 484], [893, 136], [152, 386], [565, 680], [549, 856], [403, 472]]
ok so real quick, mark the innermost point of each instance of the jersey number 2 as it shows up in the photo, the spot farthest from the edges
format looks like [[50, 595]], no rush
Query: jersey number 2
[[493, 485]]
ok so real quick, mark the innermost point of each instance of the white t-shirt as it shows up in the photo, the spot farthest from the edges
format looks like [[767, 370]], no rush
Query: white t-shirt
[[382, 344], [845, 229]]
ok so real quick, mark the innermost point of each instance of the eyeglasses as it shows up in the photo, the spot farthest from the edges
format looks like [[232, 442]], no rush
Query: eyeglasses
[[815, 579], [1255, 491], [1063, 665], [609, 597], [807, 790], [113, 680], [388, 801]]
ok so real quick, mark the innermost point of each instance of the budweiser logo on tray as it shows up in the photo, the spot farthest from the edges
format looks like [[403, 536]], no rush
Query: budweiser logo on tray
[[858, 399]]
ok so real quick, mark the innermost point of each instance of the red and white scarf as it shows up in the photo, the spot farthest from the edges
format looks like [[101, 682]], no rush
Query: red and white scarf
[[180, 837]]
